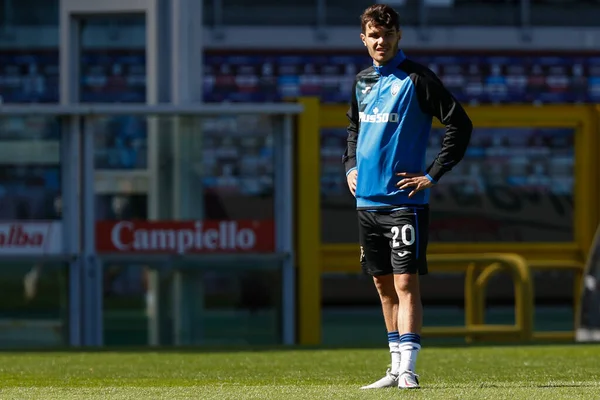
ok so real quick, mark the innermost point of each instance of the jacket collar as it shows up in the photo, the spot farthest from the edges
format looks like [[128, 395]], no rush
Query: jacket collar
[[391, 65]]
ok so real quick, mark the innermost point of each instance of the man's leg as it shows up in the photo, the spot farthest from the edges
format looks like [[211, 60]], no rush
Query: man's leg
[[386, 289], [410, 319], [389, 304], [375, 261], [408, 231]]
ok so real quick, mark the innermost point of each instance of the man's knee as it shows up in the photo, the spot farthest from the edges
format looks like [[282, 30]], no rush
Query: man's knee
[[385, 286], [406, 283]]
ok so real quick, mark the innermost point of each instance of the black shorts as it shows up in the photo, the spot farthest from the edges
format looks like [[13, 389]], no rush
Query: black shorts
[[394, 241]]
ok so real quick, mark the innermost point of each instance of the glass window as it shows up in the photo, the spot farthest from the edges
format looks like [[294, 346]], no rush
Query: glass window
[[30, 168], [120, 142], [29, 51], [113, 70], [217, 305], [113, 59], [237, 166], [33, 305], [28, 76], [223, 168], [225, 164], [127, 303], [26, 13], [228, 305], [513, 185]]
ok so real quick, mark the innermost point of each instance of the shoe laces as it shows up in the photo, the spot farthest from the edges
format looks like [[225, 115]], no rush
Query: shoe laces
[[411, 374], [389, 373]]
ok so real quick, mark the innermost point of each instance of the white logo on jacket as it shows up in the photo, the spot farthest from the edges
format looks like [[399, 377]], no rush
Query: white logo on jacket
[[395, 88], [379, 118]]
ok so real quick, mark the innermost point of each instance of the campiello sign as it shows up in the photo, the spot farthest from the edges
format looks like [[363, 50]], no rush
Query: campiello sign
[[181, 237]]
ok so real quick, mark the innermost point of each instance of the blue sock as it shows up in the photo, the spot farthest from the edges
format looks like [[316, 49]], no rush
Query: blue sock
[[410, 338]]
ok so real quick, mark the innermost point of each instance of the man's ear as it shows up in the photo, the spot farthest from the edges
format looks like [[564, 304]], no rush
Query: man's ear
[[363, 38], [399, 34]]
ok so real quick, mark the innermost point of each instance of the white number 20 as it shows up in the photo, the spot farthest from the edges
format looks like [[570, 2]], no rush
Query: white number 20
[[407, 235]]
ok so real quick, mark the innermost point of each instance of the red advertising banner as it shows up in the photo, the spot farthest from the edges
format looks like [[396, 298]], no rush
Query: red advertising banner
[[181, 237]]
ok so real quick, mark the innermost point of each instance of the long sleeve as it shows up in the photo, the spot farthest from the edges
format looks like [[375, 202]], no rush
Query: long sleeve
[[437, 101], [349, 157]]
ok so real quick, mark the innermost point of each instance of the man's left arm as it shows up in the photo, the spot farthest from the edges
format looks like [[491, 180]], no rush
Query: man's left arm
[[437, 101]]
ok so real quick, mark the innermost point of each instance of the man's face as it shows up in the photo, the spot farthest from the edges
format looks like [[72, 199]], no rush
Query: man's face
[[381, 42]]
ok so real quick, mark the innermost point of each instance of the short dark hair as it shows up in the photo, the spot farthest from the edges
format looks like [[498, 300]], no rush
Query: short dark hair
[[380, 15]]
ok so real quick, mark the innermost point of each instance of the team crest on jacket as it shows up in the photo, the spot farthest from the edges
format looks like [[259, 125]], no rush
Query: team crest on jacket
[[395, 88]]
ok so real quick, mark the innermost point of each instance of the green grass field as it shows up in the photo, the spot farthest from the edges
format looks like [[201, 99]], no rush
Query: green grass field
[[477, 372]]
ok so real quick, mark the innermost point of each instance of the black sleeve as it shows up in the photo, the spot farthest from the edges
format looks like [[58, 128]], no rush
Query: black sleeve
[[349, 157], [437, 101]]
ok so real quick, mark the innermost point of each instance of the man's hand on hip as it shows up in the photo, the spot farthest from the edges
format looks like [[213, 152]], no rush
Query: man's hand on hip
[[351, 179], [418, 181]]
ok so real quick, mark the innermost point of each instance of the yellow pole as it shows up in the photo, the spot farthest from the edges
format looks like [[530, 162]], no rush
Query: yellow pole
[[308, 222]]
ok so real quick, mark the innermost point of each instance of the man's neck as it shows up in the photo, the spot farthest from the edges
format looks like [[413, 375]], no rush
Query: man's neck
[[388, 61]]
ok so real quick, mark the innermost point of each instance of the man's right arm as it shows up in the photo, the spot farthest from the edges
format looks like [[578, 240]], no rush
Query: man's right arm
[[349, 157]]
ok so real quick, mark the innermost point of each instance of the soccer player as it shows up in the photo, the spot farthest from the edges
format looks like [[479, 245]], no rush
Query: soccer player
[[392, 107]]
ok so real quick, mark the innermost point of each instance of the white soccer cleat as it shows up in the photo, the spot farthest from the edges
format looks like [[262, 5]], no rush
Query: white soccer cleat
[[389, 380], [408, 380]]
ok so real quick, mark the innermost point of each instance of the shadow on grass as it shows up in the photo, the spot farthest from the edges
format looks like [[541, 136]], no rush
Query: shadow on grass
[[547, 386], [508, 385]]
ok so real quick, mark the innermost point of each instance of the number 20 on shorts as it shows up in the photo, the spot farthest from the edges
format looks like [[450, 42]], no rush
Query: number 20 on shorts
[[406, 234]]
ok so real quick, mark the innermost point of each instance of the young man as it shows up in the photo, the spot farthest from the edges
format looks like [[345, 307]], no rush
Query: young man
[[391, 112]]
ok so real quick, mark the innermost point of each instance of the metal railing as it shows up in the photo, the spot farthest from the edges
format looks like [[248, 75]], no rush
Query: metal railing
[[478, 269]]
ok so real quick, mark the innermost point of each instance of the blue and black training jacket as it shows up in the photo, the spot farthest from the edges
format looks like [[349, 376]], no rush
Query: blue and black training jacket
[[390, 115]]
